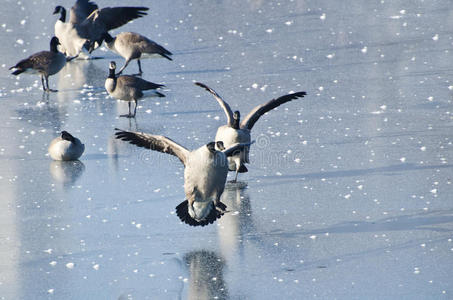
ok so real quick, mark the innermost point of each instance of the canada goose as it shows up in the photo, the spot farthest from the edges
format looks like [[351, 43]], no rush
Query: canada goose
[[44, 63], [66, 147], [239, 132], [87, 24], [128, 88], [132, 45], [205, 173]]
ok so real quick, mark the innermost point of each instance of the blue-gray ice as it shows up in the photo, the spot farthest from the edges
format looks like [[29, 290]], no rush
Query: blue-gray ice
[[349, 194]]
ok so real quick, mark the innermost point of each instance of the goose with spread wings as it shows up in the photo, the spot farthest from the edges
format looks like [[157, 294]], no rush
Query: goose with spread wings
[[236, 131], [205, 173], [88, 24]]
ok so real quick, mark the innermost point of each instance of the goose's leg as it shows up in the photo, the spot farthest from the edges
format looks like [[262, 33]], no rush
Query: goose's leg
[[235, 177], [69, 58], [139, 67], [129, 114], [135, 109], [237, 166], [43, 86], [123, 67], [219, 206], [47, 83], [93, 46]]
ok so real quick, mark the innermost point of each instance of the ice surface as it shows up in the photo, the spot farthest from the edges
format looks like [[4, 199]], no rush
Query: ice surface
[[349, 194]]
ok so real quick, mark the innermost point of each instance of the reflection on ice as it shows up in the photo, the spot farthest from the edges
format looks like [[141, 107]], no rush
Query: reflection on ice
[[74, 75], [66, 172], [206, 275], [43, 113], [234, 224]]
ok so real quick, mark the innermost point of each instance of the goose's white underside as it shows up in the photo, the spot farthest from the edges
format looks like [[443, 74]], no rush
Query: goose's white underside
[[70, 42], [205, 186], [230, 137]]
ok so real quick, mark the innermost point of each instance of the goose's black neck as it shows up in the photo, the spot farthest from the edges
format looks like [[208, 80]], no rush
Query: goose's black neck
[[54, 45], [211, 147], [235, 124], [112, 74], [108, 38], [236, 120], [67, 136], [62, 14]]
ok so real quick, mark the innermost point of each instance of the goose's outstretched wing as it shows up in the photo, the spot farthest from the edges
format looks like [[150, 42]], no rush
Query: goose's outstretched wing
[[257, 112], [108, 18], [154, 142], [223, 104], [235, 149], [81, 10]]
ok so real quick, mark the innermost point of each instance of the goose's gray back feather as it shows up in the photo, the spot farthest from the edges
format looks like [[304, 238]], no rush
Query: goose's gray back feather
[[128, 88], [131, 45]]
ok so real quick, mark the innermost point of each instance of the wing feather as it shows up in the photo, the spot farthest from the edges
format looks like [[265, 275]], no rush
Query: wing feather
[[138, 82], [223, 104], [237, 148], [108, 18], [258, 111], [154, 142], [81, 10]]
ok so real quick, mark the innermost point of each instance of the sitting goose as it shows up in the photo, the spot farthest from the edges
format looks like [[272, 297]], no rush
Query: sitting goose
[[44, 63], [132, 45], [87, 24], [239, 132], [66, 147], [205, 173], [129, 88]]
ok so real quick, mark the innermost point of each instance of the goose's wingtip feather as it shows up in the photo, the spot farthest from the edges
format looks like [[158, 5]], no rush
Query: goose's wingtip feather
[[182, 212], [202, 85], [299, 94]]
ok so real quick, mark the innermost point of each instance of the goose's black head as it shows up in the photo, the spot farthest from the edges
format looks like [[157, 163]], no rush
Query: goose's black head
[[112, 68], [107, 37], [67, 136], [62, 11], [220, 145], [54, 42], [236, 119], [211, 147]]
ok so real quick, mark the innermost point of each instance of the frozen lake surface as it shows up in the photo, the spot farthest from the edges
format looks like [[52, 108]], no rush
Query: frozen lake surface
[[349, 194]]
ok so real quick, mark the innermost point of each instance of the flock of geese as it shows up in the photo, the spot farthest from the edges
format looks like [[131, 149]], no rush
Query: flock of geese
[[205, 168]]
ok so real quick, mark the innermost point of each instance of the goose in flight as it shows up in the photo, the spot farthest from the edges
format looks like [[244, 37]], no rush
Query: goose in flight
[[87, 24], [236, 131], [66, 147], [132, 45], [44, 63], [205, 173], [129, 88]]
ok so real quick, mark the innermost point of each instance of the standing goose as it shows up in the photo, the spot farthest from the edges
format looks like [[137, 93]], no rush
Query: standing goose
[[44, 63], [129, 88], [87, 24], [132, 45], [239, 132], [66, 147], [205, 173]]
